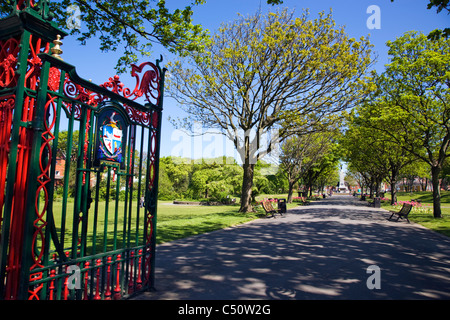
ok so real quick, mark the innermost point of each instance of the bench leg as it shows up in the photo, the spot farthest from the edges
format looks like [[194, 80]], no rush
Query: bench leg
[[391, 216], [270, 214], [405, 218]]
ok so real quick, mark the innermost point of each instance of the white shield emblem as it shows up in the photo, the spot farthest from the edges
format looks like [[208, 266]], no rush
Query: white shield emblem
[[112, 138]]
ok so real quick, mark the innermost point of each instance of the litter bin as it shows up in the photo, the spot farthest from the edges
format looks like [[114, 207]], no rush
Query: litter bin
[[282, 205], [377, 202]]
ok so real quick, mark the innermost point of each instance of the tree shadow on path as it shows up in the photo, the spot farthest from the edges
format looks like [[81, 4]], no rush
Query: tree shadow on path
[[320, 251]]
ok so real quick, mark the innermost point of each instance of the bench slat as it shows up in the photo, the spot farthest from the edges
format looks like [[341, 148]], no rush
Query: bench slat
[[269, 209]]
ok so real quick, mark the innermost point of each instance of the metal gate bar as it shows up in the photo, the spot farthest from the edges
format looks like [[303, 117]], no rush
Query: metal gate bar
[[90, 233]]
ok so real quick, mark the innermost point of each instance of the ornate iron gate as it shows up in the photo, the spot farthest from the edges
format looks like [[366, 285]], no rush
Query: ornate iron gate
[[78, 170]]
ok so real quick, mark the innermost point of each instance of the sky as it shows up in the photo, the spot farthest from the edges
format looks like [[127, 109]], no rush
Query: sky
[[394, 20]]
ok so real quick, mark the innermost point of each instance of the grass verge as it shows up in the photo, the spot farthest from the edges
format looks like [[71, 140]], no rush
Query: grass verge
[[423, 214], [178, 221]]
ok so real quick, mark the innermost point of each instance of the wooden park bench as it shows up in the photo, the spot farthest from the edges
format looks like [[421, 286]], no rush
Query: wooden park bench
[[403, 213], [269, 209]]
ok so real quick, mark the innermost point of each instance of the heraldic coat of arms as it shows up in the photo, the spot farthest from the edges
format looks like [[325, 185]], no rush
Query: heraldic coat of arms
[[111, 137]]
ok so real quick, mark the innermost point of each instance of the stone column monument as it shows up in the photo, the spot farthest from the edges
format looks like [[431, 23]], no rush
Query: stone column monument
[[342, 188]]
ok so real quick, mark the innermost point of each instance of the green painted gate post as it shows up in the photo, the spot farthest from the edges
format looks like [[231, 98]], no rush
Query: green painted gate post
[[29, 24], [34, 219]]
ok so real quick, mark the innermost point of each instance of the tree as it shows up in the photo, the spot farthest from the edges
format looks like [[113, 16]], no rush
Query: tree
[[363, 153], [445, 175], [166, 190], [277, 183], [210, 178], [324, 170], [329, 171], [63, 143], [179, 172], [351, 179], [358, 175], [413, 100], [417, 169], [300, 153], [263, 73], [215, 181], [134, 26], [372, 152]]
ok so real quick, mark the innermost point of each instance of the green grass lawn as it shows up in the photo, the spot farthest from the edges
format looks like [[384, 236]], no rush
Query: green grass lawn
[[181, 221], [426, 197]]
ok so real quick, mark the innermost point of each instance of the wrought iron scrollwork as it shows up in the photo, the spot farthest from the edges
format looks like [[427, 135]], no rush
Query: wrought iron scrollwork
[[148, 86]]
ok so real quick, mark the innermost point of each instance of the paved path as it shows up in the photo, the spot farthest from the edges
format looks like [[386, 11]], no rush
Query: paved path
[[320, 251]]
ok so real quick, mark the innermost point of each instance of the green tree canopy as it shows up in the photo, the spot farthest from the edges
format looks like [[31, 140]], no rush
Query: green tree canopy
[[131, 26], [371, 153], [273, 71], [412, 103], [301, 153]]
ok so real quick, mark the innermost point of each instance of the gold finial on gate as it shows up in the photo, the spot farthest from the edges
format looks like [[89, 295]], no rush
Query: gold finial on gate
[[56, 50]]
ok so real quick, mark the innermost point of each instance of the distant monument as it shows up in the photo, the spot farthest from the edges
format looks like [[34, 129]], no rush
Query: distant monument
[[341, 187]]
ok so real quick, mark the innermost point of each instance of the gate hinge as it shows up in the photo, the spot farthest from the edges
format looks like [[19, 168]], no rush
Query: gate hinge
[[26, 124], [36, 125]]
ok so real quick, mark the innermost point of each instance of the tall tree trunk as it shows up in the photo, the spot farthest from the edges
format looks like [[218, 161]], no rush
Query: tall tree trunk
[[290, 191], [393, 192], [377, 187], [372, 187], [435, 170], [247, 184], [394, 175]]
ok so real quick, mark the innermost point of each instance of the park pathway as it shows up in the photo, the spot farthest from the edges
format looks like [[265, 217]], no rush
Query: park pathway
[[320, 251]]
